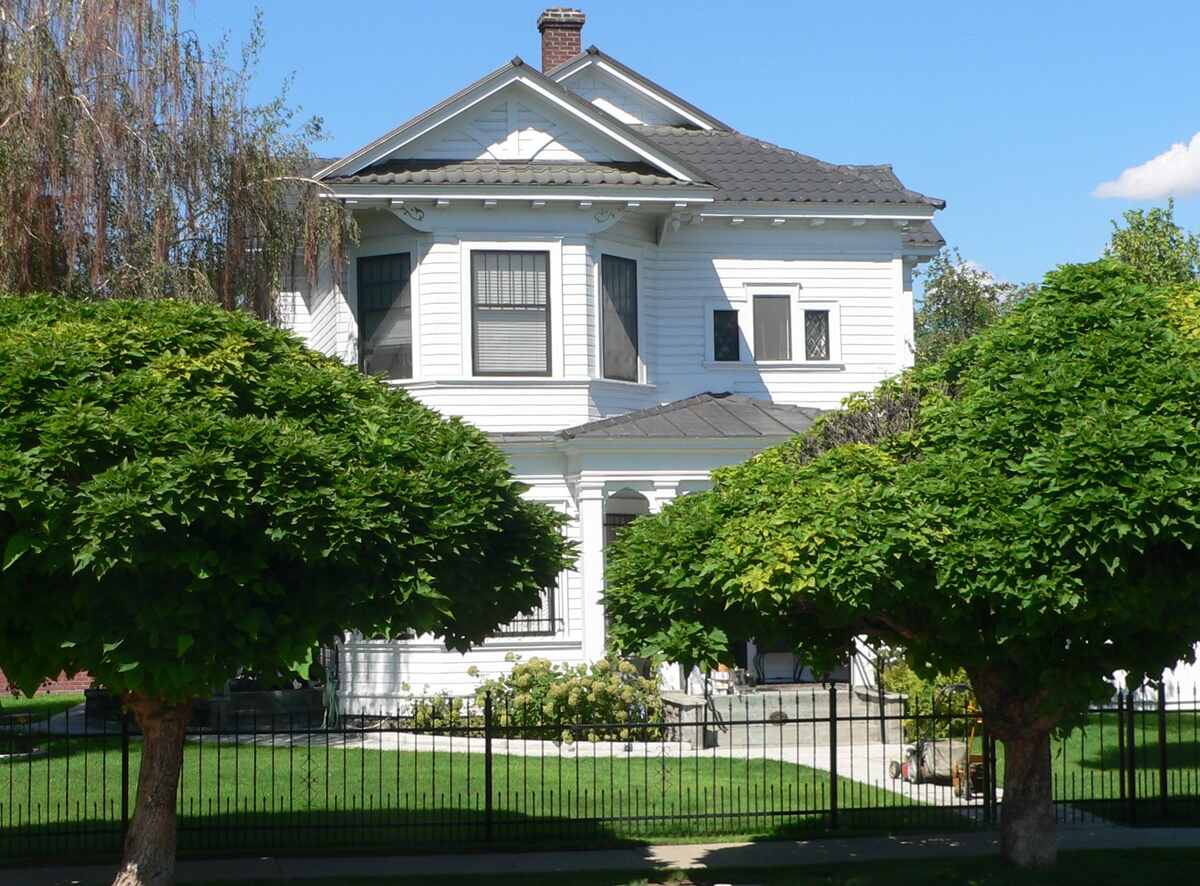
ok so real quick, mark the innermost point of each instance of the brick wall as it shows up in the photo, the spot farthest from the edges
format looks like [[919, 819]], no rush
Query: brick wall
[[62, 683]]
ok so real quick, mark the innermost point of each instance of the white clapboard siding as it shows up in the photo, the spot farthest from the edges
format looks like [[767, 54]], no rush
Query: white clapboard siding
[[514, 124], [374, 676], [578, 329], [441, 309]]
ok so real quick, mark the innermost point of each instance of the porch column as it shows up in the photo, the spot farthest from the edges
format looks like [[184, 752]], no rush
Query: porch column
[[590, 499], [664, 493], [672, 675]]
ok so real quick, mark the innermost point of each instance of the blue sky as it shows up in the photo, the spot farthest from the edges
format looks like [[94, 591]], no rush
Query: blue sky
[[1013, 112]]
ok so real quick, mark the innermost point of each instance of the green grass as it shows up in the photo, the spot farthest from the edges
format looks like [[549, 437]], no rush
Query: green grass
[[39, 705], [1164, 867], [241, 796]]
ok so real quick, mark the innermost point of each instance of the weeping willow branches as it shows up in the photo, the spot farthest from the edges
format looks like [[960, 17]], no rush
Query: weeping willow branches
[[133, 164]]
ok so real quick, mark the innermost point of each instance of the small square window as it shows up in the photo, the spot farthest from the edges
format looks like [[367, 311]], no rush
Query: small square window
[[772, 327], [816, 335], [726, 337]]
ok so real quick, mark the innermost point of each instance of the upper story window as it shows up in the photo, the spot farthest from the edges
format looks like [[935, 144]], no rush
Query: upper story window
[[619, 332], [510, 312], [385, 315], [816, 334], [775, 326], [727, 346]]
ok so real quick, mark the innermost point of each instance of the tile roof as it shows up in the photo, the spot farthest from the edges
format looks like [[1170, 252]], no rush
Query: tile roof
[[749, 169], [490, 172], [923, 233], [703, 416]]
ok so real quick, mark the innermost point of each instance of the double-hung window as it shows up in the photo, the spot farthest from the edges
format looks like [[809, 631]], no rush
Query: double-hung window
[[510, 312], [385, 315], [773, 328]]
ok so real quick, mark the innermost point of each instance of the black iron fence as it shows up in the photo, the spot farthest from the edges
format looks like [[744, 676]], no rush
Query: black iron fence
[[435, 774]]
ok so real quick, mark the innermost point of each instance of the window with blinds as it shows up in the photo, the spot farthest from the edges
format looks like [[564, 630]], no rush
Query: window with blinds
[[510, 298], [618, 284], [385, 315], [772, 327]]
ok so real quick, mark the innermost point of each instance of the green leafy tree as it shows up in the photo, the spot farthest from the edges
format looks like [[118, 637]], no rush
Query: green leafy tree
[[185, 491], [1026, 509], [1157, 248], [959, 300]]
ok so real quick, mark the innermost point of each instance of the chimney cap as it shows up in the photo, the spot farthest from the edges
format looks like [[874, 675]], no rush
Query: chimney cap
[[560, 17]]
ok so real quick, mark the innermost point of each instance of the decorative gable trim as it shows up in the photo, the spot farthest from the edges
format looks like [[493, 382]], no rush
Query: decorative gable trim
[[515, 71], [644, 86]]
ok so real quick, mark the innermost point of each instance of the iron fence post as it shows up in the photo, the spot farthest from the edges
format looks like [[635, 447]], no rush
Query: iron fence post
[[988, 787], [124, 776], [1131, 789], [1162, 750], [1121, 750], [833, 758], [488, 817]]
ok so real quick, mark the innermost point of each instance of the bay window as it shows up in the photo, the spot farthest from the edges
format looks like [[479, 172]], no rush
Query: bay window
[[510, 312]]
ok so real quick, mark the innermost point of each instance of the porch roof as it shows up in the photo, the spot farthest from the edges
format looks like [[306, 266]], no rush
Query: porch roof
[[703, 416]]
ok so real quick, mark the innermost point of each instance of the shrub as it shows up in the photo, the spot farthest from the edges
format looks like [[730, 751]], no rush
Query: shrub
[[606, 700], [945, 695]]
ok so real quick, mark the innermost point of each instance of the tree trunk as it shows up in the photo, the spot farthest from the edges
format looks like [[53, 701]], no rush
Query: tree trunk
[[149, 858], [1027, 836]]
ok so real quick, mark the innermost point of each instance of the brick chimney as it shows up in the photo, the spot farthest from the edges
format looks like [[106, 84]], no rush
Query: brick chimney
[[562, 35]]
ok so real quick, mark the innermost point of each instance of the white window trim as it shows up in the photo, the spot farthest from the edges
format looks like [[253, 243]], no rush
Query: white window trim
[[634, 254], [552, 245]]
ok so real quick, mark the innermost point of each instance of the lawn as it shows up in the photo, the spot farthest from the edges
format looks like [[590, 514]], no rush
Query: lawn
[[39, 705], [1164, 867], [258, 796]]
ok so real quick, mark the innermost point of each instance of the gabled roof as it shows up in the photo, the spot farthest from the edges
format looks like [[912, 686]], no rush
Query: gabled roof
[[511, 172], [630, 136], [593, 55], [704, 416], [749, 169]]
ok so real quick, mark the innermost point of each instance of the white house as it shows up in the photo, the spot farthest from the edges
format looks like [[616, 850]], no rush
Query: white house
[[622, 290]]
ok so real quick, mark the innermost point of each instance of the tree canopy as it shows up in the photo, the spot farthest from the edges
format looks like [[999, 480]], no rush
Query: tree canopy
[[186, 491], [194, 491], [959, 299], [1027, 508], [1158, 249]]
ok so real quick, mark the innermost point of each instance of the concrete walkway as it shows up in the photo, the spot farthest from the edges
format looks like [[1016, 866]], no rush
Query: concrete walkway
[[645, 860]]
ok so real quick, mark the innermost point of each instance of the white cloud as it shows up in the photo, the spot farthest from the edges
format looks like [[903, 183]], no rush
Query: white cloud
[[1173, 173]]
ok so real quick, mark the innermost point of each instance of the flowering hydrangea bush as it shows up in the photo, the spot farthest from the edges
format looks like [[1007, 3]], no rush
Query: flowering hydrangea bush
[[606, 700]]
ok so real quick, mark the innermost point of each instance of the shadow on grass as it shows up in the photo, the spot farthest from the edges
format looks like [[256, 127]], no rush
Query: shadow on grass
[[433, 829]]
